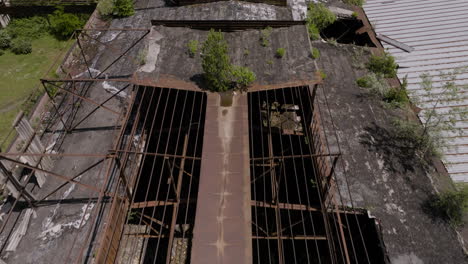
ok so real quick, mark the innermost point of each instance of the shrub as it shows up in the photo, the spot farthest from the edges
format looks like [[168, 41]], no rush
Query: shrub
[[376, 84], [416, 139], [5, 39], [450, 206], [363, 82], [396, 97], [355, 2], [315, 53], [21, 46], [141, 57], [322, 74], [384, 64], [105, 7], [320, 16], [280, 53], [192, 46], [357, 58], [62, 25], [32, 27], [314, 32], [117, 8], [215, 62], [2, 52], [242, 77], [219, 74], [265, 36], [123, 8]]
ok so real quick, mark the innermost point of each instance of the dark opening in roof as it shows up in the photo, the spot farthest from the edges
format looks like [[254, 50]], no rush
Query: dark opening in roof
[[167, 126], [294, 219]]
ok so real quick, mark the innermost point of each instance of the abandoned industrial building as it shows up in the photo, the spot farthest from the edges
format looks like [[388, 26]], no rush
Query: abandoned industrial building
[[128, 157]]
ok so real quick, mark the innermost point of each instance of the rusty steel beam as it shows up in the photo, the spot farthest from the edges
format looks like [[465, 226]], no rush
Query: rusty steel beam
[[34, 168], [155, 154], [83, 55], [175, 209], [108, 46], [285, 206], [150, 226], [159, 203], [227, 25], [124, 53], [26, 194], [269, 2], [84, 155], [291, 237], [151, 204], [76, 176], [301, 207], [107, 178], [55, 107], [342, 235], [275, 190], [86, 99], [329, 178], [155, 220], [123, 178], [86, 80], [113, 29], [143, 235], [298, 156]]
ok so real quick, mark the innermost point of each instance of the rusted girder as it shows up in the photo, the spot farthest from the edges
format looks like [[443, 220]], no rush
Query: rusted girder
[[85, 98], [156, 154], [84, 155], [227, 25], [86, 80], [269, 2], [291, 237], [34, 168], [113, 29], [298, 156], [175, 210], [76, 176]]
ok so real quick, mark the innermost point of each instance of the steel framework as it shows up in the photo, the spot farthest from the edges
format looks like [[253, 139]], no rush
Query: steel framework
[[151, 173], [74, 91]]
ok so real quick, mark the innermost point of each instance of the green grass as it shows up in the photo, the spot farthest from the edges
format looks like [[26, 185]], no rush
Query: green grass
[[20, 74]]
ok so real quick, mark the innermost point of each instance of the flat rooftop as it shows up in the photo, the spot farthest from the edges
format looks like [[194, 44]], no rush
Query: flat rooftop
[[296, 169]]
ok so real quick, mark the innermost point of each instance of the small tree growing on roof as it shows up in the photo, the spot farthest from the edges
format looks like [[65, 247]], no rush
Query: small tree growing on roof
[[384, 64], [219, 74], [318, 18], [215, 62], [431, 136], [117, 8], [123, 8], [449, 205]]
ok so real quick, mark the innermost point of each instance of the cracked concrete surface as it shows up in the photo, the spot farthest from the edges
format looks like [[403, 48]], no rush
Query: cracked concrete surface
[[392, 187]]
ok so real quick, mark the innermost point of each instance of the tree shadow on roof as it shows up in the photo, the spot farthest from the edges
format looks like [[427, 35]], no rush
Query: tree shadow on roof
[[398, 153]]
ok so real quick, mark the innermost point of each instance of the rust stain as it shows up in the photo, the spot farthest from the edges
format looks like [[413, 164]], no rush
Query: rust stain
[[262, 87]]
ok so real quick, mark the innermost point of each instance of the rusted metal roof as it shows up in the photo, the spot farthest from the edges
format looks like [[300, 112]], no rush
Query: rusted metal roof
[[222, 231], [437, 32]]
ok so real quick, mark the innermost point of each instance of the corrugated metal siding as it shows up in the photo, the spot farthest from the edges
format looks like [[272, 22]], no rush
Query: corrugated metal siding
[[438, 32]]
